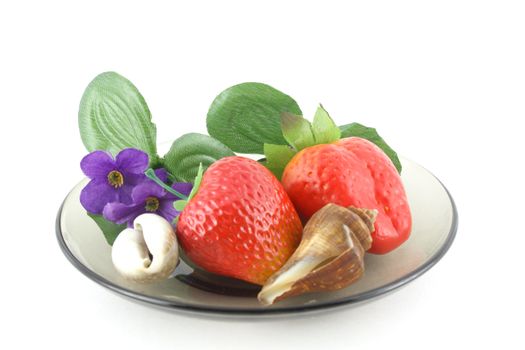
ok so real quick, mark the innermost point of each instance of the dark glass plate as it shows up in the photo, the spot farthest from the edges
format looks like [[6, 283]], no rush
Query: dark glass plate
[[434, 227]]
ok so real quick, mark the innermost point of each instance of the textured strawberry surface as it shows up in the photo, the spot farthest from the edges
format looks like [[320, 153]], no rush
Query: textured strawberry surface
[[351, 171], [241, 223]]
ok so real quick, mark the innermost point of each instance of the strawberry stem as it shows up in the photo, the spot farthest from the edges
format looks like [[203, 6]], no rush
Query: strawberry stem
[[150, 173]]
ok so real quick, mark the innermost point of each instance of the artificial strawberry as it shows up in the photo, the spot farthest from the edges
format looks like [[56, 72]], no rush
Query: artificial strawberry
[[241, 223], [351, 172]]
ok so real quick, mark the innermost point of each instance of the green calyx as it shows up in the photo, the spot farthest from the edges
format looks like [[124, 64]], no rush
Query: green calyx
[[300, 134], [181, 204]]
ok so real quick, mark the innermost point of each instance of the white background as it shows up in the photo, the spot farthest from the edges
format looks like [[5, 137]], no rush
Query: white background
[[443, 81]]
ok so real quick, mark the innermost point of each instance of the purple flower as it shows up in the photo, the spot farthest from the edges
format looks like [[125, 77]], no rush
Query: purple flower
[[148, 197], [112, 180]]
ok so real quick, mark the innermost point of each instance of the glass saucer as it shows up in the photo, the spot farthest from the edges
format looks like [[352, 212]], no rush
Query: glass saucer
[[435, 222]]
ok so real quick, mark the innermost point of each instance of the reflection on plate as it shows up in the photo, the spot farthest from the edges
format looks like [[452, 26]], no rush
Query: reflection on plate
[[434, 227]]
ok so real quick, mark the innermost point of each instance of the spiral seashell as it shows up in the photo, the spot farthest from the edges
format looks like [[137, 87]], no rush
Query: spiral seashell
[[329, 257]]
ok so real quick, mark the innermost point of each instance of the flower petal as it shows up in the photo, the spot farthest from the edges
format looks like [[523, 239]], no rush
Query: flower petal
[[133, 179], [183, 187], [167, 211], [162, 174], [97, 164], [121, 213], [146, 189], [96, 195], [124, 194], [132, 160]]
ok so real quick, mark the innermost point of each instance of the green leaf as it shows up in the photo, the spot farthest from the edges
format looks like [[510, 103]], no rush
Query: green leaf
[[246, 116], [189, 151], [359, 130], [113, 115], [181, 204], [277, 157], [324, 128], [196, 182], [297, 131], [108, 228]]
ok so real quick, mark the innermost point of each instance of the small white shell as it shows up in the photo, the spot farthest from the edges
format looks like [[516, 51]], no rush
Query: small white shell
[[148, 252]]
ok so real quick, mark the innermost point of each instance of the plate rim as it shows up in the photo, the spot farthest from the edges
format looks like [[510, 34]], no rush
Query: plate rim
[[354, 299]]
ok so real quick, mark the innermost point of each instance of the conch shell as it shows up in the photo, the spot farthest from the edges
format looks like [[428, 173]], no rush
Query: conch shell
[[329, 257]]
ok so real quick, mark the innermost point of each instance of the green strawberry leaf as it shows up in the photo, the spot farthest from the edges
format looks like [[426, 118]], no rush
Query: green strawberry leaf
[[108, 228], [181, 204], [324, 128], [359, 130], [297, 131], [277, 157], [246, 116], [196, 182], [189, 151], [113, 115]]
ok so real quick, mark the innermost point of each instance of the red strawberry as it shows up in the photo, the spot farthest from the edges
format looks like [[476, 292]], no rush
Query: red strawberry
[[241, 223], [351, 172]]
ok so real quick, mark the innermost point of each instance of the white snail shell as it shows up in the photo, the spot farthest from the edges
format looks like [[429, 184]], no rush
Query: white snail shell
[[148, 252]]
